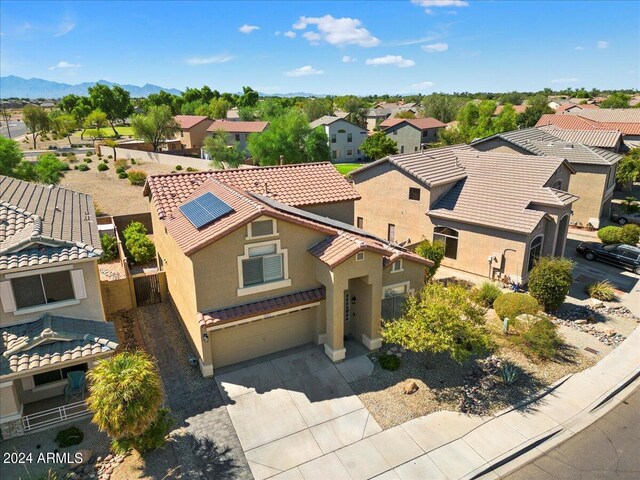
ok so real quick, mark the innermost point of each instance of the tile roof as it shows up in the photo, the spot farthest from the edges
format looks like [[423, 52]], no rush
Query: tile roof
[[613, 115], [329, 119], [297, 185], [51, 340], [188, 121], [593, 138], [626, 120], [497, 191], [44, 224], [262, 307], [238, 126], [434, 166], [419, 123], [566, 121]]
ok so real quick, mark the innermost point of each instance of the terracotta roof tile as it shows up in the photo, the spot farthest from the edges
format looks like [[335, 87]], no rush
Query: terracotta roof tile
[[626, 120], [238, 127], [188, 121], [262, 307]]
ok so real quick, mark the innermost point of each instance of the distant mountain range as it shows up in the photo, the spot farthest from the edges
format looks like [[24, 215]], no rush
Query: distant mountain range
[[18, 87]]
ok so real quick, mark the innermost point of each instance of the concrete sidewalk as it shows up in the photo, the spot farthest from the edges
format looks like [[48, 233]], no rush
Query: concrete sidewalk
[[448, 445]]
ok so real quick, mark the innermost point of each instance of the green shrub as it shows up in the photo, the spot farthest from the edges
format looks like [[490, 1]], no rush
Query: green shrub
[[133, 228], [630, 205], [109, 157], [137, 177], [109, 248], [88, 154], [49, 169], [550, 281], [431, 251], [601, 291], [102, 167], [140, 248], [609, 235], [389, 362], [69, 437], [487, 293], [178, 167], [191, 169], [72, 158], [510, 373], [541, 340], [88, 160], [123, 175], [64, 154], [122, 163], [510, 305], [630, 234], [153, 438], [133, 161], [83, 167]]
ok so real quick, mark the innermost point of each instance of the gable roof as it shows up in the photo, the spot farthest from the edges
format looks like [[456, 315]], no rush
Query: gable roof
[[288, 183], [419, 123], [329, 119], [626, 120], [45, 224], [593, 138], [188, 121], [567, 121], [615, 115], [497, 192], [238, 126]]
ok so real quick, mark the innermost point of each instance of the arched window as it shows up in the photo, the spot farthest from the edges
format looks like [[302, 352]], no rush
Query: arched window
[[449, 237], [535, 251]]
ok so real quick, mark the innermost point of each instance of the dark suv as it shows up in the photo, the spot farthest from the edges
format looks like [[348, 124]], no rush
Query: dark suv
[[619, 254]]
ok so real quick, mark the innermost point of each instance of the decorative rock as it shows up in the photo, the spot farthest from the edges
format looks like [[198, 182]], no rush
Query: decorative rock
[[487, 384], [398, 354], [610, 332], [526, 318], [595, 303], [99, 459], [108, 458], [580, 322], [410, 387], [85, 457]]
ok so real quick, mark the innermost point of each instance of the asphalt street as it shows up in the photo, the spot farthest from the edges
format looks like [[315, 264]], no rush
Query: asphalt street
[[17, 129]]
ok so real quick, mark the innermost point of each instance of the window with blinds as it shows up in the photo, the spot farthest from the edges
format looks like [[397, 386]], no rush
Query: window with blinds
[[264, 265], [262, 228]]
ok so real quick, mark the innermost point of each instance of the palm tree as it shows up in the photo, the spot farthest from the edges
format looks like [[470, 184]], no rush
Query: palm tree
[[125, 394]]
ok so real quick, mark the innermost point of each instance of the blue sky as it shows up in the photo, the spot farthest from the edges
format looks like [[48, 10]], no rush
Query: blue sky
[[327, 47]]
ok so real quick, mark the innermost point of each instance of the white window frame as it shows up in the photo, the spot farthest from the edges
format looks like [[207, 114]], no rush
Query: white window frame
[[397, 266], [251, 236], [263, 287]]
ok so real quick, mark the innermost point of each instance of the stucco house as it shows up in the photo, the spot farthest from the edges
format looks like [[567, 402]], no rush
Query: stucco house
[[595, 168], [495, 212], [383, 110], [345, 138], [237, 132], [193, 130], [52, 318], [251, 270], [412, 134]]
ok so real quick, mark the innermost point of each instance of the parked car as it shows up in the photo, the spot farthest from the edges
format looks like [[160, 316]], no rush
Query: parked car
[[619, 254], [624, 218]]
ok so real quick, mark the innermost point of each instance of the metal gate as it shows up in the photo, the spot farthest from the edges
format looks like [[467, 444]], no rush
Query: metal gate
[[147, 290]]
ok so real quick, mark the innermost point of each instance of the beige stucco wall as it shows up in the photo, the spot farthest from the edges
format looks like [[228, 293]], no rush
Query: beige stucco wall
[[589, 184], [9, 403], [193, 137], [341, 211], [89, 308]]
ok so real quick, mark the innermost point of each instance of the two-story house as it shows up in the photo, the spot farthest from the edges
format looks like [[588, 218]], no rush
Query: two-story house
[[496, 213], [52, 319], [193, 130], [237, 132], [345, 138], [251, 270], [412, 134], [595, 168]]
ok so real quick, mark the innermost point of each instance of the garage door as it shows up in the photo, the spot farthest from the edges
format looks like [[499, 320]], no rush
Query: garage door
[[243, 342]]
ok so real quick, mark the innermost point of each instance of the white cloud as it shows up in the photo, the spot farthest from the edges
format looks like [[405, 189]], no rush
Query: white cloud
[[396, 60], [422, 85], [303, 72], [579, 48], [602, 44], [277, 34], [348, 59], [248, 28], [337, 31], [565, 80], [64, 28], [430, 4], [435, 47], [209, 60], [290, 34], [64, 64]]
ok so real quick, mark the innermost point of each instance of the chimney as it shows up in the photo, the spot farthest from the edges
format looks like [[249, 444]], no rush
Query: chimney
[[281, 159]]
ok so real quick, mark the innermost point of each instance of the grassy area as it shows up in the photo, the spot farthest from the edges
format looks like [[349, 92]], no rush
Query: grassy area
[[347, 168], [108, 132]]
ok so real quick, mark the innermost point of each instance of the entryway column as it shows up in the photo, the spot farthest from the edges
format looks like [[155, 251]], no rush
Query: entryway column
[[10, 411], [372, 338], [334, 343]]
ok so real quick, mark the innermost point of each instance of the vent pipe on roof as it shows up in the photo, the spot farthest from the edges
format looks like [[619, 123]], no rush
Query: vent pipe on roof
[[281, 160]]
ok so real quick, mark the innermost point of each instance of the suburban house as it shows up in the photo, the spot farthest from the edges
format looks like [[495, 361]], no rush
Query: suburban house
[[345, 138], [412, 134], [193, 130], [595, 168], [575, 107], [237, 132], [495, 212], [607, 139], [383, 110], [251, 270], [52, 318]]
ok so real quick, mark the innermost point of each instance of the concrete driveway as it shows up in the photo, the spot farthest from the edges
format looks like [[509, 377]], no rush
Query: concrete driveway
[[293, 408]]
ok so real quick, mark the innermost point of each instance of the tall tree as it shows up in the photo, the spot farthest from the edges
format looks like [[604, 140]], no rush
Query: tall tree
[[405, 114], [36, 120], [218, 108], [80, 112], [64, 124], [355, 107], [378, 146], [95, 122], [249, 97], [69, 102], [442, 107], [221, 154], [116, 103], [316, 146], [10, 156], [122, 106], [616, 100], [164, 98], [315, 108], [537, 106], [156, 126]]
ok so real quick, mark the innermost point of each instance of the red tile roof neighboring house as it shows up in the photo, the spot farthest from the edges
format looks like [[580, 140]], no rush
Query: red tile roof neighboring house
[[262, 307], [574, 107], [568, 122], [420, 123], [627, 122], [188, 121], [297, 185], [238, 127]]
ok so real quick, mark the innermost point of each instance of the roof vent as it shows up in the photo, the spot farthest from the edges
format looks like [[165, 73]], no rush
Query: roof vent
[[568, 146]]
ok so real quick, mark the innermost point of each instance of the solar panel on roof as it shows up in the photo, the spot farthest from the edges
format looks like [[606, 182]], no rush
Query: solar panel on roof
[[205, 209]]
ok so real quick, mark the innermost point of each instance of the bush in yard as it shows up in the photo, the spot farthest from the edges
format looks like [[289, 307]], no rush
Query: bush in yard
[[121, 163], [153, 438], [109, 246], [440, 319], [541, 340], [123, 175], [69, 437], [609, 235], [109, 157], [630, 234], [487, 293], [87, 154], [102, 167], [601, 291], [137, 177], [140, 248], [510, 305], [550, 281], [191, 169], [178, 167], [389, 362], [431, 251], [133, 228], [49, 169], [83, 167]]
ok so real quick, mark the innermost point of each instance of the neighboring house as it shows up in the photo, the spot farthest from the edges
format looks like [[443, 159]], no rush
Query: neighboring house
[[47, 105], [193, 130], [595, 168], [383, 110], [495, 212], [238, 132], [574, 107], [233, 115], [557, 103], [345, 138], [412, 134], [607, 139], [251, 271], [52, 319]]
